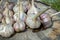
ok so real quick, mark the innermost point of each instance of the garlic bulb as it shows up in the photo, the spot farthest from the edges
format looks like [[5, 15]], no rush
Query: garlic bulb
[[32, 10], [30, 21], [20, 18], [6, 30], [19, 11], [19, 26], [33, 23], [46, 20], [7, 10], [8, 18]]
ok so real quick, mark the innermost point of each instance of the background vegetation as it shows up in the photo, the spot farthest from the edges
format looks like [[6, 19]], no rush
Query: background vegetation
[[55, 4]]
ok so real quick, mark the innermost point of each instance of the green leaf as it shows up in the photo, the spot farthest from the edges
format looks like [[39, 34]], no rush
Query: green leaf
[[53, 3]]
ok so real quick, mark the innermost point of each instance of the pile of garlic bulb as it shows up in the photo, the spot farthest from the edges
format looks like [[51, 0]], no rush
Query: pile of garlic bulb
[[19, 17]]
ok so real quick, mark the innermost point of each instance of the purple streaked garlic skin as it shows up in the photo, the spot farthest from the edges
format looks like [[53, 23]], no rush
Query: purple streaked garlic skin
[[46, 20], [19, 26]]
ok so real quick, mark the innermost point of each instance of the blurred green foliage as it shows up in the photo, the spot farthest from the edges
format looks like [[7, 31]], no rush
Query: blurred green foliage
[[55, 4]]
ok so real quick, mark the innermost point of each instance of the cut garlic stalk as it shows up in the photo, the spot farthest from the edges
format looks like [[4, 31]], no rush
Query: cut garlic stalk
[[55, 14]]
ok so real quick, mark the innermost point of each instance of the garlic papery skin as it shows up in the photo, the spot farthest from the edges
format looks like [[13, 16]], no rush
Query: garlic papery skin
[[8, 14], [1, 17], [15, 16], [22, 16], [32, 10], [46, 20], [6, 30], [18, 9], [19, 26], [33, 23], [9, 20], [11, 13], [19, 17], [26, 5], [30, 21]]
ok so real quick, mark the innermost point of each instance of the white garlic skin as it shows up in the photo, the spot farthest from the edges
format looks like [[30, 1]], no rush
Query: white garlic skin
[[8, 14], [32, 10], [32, 23], [9, 20], [16, 8], [26, 6], [15, 16], [6, 30], [22, 16], [11, 13], [19, 26]]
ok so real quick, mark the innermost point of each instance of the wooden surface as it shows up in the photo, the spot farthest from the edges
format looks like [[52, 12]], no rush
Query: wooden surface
[[47, 34]]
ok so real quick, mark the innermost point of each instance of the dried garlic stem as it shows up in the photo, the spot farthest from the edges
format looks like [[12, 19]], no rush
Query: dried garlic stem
[[40, 13], [55, 14]]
